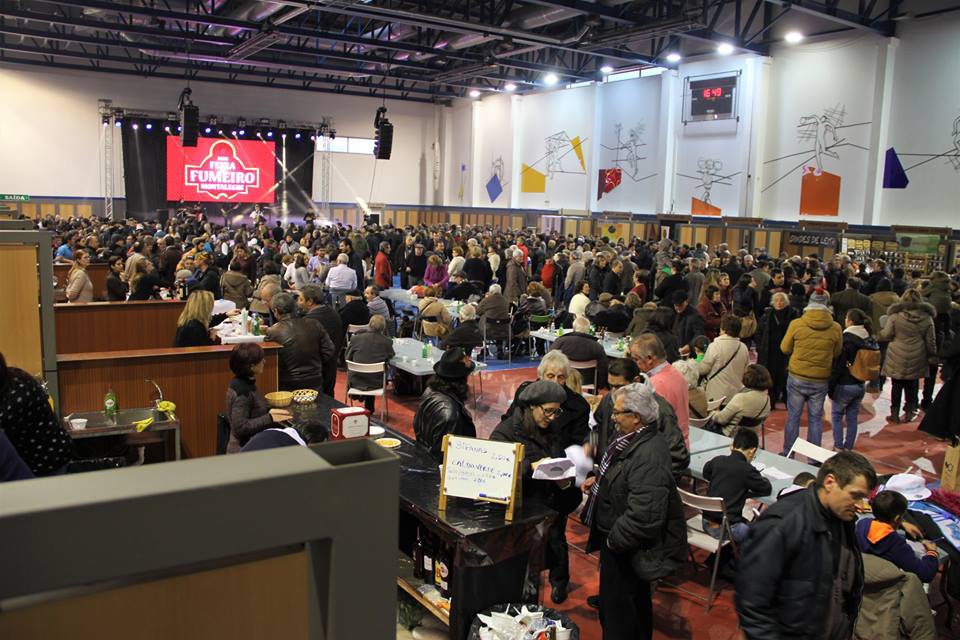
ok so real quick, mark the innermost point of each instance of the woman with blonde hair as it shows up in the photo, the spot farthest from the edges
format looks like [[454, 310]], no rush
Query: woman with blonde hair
[[79, 287], [440, 322], [193, 326]]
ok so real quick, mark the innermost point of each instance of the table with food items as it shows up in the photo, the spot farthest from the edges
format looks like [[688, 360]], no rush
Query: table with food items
[[458, 562]]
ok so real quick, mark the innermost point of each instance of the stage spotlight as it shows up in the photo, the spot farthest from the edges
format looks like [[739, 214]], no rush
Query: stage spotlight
[[219, 132], [149, 126], [297, 135], [234, 133], [674, 57], [269, 134], [242, 132], [725, 48], [207, 130], [118, 123], [213, 121], [550, 79], [105, 120], [135, 126], [167, 128], [313, 138]]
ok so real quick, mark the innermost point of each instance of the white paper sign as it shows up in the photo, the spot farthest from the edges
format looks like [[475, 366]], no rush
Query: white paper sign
[[479, 469]]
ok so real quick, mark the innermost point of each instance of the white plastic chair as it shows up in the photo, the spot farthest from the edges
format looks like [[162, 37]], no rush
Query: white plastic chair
[[716, 403], [697, 537], [810, 450], [585, 365], [376, 367]]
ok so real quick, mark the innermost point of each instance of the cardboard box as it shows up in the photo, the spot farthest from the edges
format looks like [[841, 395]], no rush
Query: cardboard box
[[950, 475], [349, 422]]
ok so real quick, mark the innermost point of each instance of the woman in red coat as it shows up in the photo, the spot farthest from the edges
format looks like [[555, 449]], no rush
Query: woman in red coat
[[382, 269], [712, 310], [547, 274]]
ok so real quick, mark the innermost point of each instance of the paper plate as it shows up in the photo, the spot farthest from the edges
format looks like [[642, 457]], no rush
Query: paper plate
[[388, 443], [376, 431]]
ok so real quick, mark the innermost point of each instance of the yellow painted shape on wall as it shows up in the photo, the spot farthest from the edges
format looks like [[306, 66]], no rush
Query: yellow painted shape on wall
[[578, 149], [532, 181]]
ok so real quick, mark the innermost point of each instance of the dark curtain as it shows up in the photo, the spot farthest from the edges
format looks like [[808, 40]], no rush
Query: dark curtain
[[144, 169], [296, 183]]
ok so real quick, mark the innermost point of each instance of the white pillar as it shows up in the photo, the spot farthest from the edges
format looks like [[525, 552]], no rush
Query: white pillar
[[750, 203], [879, 132], [671, 102]]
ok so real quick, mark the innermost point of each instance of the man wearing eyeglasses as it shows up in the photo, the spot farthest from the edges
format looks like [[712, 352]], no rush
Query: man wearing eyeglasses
[[648, 352]]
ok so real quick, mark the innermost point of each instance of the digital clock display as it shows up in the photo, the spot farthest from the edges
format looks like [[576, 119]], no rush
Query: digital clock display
[[712, 98]]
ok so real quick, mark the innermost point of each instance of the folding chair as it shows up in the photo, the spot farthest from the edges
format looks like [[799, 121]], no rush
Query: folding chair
[[505, 323], [810, 450], [753, 423], [586, 365], [537, 322], [697, 537], [376, 367], [353, 329]]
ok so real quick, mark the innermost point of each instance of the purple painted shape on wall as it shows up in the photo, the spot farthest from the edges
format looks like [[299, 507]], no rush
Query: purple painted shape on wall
[[894, 177]]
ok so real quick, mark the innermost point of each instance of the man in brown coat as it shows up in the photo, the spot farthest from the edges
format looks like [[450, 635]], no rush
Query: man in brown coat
[[516, 278]]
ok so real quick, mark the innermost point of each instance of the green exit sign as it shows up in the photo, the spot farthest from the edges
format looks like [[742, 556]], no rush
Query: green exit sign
[[8, 197]]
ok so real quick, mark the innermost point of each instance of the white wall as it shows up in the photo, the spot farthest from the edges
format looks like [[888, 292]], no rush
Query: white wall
[[633, 106], [567, 113], [835, 77], [49, 128], [494, 149], [458, 130], [924, 121]]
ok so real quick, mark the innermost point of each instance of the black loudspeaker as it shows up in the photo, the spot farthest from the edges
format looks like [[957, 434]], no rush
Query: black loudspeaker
[[189, 125], [383, 140]]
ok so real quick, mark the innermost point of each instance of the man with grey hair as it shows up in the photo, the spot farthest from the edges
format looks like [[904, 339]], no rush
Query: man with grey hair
[[648, 352], [341, 279], [495, 306], [694, 280], [580, 346], [576, 272], [516, 278], [369, 346], [304, 346], [311, 302], [635, 515], [467, 334]]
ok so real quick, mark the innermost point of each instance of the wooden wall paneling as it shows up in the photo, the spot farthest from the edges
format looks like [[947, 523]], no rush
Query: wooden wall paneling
[[266, 598], [48, 209], [759, 240], [700, 234], [456, 218], [97, 272], [569, 227], [29, 210], [774, 243], [20, 339], [85, 210], [116, 326], [516, 222], [413, 217], [732, 237], [685, 234], [67, 209], [194, 378]]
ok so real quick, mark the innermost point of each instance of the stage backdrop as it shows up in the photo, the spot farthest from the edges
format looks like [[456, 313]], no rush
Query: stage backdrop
[[221, 170]]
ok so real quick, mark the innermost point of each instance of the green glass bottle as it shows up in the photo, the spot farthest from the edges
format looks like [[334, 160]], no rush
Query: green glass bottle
[[110, 407]]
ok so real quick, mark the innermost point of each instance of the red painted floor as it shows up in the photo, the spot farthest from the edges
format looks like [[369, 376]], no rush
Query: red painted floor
[[891, 447]]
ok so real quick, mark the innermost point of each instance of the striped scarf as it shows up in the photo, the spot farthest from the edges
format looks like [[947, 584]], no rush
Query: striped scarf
[[615, 448]]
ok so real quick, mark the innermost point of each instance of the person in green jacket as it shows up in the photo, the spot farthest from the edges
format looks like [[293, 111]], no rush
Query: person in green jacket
[[812, 341]]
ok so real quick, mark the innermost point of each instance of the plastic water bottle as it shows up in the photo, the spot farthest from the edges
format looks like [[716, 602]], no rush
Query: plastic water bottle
[[425, 352]]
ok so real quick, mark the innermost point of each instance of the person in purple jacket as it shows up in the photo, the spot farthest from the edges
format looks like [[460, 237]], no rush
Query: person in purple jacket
[[878, 536]]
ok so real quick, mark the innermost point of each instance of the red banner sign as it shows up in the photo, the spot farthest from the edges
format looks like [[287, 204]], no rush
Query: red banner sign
[[221, 170]]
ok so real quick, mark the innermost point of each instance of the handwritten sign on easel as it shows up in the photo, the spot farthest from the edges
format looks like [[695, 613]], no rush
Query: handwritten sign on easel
[[481, 470]]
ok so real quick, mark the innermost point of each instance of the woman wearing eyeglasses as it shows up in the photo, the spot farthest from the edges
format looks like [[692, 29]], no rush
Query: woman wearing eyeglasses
[[533, 422], [635, 515]]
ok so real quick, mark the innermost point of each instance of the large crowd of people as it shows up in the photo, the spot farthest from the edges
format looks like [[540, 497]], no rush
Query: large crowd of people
[[718, 333]]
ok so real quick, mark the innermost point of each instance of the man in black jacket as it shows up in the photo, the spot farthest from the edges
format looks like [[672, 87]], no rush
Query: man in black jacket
[[734, 479], [850, 298], [580, 346], [467, 335], [310, 302], [355, 263], [305, 346], [800, 574], [688, 323], [442, 410]]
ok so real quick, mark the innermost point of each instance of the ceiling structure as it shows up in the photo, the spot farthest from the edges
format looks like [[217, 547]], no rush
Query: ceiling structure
[[418, 50]]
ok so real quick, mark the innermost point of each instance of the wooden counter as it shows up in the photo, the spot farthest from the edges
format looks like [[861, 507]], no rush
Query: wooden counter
[[116, 326], [194, 378], [98, 272]]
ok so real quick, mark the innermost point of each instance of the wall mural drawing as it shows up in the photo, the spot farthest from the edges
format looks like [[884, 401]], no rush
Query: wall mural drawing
[[496, 183], [626, 160], [819, 189], [558, 146], [895, 174], [708, 175]]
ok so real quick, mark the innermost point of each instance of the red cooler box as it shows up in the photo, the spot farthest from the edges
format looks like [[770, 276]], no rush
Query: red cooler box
[[349, 422]]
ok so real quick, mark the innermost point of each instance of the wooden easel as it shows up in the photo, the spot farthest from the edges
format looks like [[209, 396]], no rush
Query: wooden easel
[[512, 502]]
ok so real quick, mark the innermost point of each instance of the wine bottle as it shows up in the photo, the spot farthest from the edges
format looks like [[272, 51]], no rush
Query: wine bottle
[[428, 564], [418, 556], [442, 566]]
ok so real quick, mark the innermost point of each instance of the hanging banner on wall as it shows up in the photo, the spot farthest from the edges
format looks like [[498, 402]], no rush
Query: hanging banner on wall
[[819, 193], [221, 170], [812, 239]]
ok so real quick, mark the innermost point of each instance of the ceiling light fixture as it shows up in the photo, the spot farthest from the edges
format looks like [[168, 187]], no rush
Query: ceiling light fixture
[[725, 48], [550, 79], [509, 87], [793, 37], [474, 93], [674, 57], [605, 69]]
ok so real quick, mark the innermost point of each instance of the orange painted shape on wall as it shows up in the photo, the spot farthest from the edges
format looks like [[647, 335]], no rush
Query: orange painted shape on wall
[[700, 208], [819, 193]]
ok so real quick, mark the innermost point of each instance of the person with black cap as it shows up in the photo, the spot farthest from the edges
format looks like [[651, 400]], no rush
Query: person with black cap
[[688, 323], [442, 408], [533, 423]]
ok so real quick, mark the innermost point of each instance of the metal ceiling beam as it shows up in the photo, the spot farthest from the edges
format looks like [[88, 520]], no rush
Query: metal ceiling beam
[[445, 100], [611, 14], [836, 15]]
